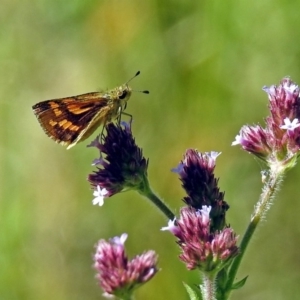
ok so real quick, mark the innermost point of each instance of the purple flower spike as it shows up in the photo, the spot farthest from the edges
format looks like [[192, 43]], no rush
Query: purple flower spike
[[196, 173], [123, 166]]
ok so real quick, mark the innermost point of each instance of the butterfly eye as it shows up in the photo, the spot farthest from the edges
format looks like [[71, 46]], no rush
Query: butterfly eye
[[123, 95]]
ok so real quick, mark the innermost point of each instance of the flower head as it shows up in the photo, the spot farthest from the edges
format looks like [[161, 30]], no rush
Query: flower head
[[196, 172], [123, 166], [201, 248], [253, 139], [117, 275], [279, 141]]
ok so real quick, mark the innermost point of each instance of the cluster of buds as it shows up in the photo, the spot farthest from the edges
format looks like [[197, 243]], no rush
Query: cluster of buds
[[206, 242], [196, 172], [116, 274], [278, 143], [123, 167], [202, 249]]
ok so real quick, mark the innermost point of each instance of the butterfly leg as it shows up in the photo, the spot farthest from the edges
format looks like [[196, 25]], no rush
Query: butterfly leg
[[126, 114], [102, 136]]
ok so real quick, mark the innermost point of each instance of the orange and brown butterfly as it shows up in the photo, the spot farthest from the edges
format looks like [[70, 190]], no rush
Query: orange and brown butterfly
[[71, 120]]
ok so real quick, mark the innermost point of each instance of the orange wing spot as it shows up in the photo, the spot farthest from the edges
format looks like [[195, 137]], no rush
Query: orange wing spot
[[75, 109], [63, 122], [52, 123], [74, 128], [53, 104], [66, 124], [57, 112]]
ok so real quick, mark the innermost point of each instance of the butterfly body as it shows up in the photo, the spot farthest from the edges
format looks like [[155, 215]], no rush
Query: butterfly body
[[73, 119]]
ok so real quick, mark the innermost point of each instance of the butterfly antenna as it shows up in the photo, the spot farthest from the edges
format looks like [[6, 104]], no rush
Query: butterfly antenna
[[144, 92], [137, 74]]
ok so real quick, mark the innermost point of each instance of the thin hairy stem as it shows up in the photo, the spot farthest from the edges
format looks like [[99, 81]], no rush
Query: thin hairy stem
[[271, 186]]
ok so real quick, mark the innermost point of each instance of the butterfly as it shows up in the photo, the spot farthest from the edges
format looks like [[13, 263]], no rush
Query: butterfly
[[71, 120]]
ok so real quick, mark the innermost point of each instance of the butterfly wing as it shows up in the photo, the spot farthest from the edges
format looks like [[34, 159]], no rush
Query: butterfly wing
[[72, 119]]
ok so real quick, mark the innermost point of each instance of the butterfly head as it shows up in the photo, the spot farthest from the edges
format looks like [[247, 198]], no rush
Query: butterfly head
[[123, 92]]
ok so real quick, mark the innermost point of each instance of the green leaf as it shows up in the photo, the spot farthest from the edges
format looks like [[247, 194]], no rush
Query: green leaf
[[222, 279], [193, 295], [239, 284]]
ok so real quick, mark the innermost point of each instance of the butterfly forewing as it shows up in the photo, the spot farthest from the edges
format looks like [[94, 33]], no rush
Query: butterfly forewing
[[66, 119]]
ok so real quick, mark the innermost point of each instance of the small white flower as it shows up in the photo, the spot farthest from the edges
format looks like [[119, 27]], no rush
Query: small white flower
[[237, 141], [108, 296], [100, 195], [213, 154], [119, 240], [171, 226], [290, 87], [288, 125], [204, 214], [205, 210], [178, 169]]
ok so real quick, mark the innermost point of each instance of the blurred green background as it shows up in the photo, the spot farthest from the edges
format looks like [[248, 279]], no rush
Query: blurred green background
[[204, 63]]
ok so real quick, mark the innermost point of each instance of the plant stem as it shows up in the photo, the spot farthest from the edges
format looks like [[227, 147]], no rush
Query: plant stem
[[148, 193], [208, 289], [270, 188]]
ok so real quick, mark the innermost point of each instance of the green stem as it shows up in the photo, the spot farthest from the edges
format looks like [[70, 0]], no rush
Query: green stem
[[148, 193], [208, 288], [270, 188]]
